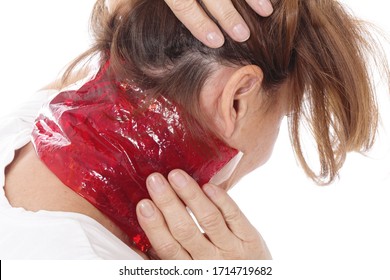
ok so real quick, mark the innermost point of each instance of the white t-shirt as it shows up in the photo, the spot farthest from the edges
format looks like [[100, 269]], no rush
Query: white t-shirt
[[47, 234]]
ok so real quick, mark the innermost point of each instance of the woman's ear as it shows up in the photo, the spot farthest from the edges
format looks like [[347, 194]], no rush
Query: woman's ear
[[237, 98]]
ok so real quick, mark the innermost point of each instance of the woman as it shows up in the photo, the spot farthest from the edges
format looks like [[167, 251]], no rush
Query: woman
[[238, 79]]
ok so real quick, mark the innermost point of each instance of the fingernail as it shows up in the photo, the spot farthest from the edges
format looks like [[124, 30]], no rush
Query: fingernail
[[215, 39], [241, 32], [209, 190], [266, 7], [146, 209], [179, 179], [156, 183]]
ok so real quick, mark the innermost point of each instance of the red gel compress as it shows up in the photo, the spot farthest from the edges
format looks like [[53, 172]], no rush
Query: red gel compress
[[104, 139]]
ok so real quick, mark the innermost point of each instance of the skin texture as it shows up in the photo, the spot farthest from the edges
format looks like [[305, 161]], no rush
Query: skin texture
[[236, 108]]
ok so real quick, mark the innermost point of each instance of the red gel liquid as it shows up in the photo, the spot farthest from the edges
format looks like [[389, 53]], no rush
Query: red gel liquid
[[102, 143]]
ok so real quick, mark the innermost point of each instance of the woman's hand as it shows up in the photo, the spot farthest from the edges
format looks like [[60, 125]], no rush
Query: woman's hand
[[202, 27], [173, 233]]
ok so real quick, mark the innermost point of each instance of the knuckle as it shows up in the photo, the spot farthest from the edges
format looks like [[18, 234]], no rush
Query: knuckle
[[211, 222], [183, 231], [229, 16], [233, 215], [201, 24], [192, 196], [164, 201], [182, 6]]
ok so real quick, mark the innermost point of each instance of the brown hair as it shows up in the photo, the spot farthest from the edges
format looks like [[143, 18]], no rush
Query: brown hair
[[315, 46]]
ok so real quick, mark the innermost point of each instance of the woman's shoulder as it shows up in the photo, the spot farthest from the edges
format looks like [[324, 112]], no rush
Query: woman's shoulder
[[41, 205], [42, 219], [57, 235]]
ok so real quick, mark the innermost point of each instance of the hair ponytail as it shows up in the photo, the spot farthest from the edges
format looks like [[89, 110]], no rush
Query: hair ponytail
[[331, 85]]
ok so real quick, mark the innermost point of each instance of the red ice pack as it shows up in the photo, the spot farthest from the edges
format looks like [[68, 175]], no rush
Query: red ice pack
[[103, 140]]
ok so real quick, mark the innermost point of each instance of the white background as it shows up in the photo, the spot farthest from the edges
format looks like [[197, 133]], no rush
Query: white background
[[333, 229]]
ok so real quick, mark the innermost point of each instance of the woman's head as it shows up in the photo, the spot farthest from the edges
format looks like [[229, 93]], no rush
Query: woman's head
[[306, 60]]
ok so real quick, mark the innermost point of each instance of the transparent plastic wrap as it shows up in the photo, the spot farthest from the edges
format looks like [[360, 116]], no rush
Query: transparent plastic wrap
[[104, 139]]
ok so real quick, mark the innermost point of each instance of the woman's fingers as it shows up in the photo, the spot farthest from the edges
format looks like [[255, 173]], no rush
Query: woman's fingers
[[178, 221], [262, 7], [153, 223], [229, 19], [191, 14], [234, 218], [252, 244], [202, 27], [207, 214], [174, 235]]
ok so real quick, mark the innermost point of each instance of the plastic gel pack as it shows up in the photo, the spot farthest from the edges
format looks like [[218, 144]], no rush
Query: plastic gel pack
[[104, 139]]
